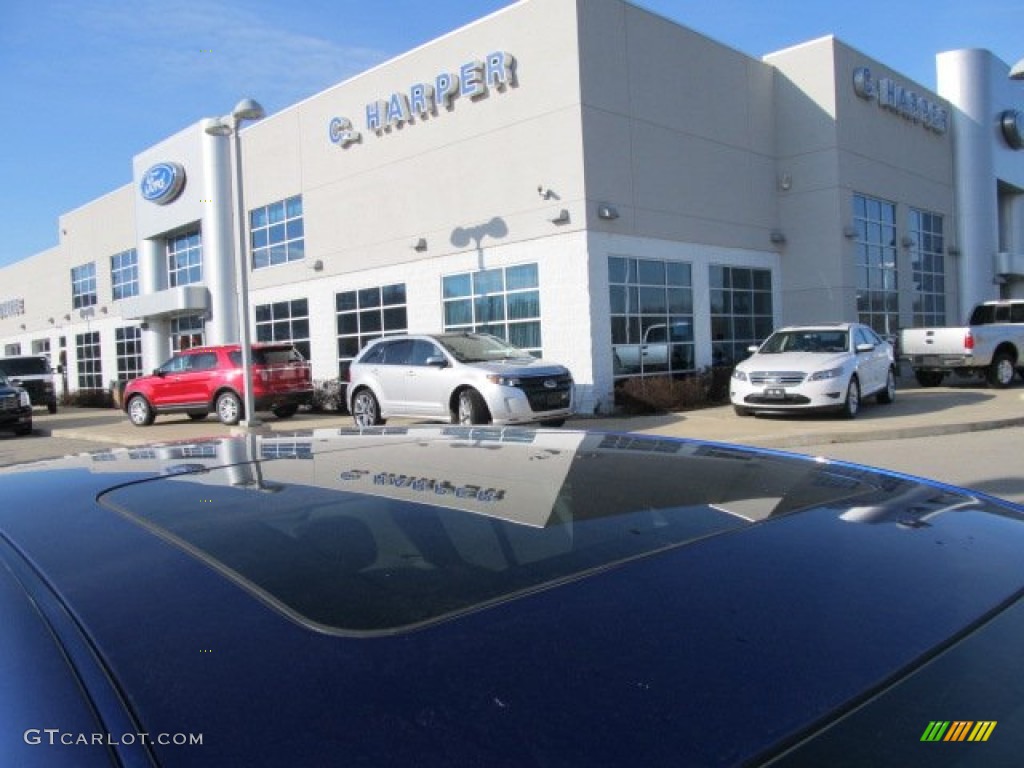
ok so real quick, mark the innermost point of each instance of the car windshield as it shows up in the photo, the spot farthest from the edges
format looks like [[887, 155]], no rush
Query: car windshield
[[821, 341], [479, 348], [24, 366]]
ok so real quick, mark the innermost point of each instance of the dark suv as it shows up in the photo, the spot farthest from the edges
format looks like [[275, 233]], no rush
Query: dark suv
[[34, 375], [15, 408], [208, 380]]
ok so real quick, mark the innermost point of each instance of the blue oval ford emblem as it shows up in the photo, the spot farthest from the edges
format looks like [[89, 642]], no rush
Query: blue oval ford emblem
[[162, 183]]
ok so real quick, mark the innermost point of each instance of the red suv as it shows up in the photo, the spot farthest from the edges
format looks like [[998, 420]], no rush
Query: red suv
[[207, 380]]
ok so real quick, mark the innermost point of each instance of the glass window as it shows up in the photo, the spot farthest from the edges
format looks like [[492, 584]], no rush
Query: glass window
[[928, 269], [83, 286], [876, 251], [285, 321], [128, 347], [184, 260], [124, 274], [367, 314], [187, 331], [277, 233], [87, 352], [651, 310], [503, 301]]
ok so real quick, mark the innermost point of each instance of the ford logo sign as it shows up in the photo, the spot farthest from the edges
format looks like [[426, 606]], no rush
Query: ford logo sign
[[550, 383], [162, 183]]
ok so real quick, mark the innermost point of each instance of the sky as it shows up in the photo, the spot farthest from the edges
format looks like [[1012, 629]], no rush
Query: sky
[[87, 85]]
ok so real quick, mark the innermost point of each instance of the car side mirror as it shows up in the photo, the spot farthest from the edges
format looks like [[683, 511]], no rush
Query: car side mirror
[[436, 361], [865, 347], [159, 372], [753, 348]]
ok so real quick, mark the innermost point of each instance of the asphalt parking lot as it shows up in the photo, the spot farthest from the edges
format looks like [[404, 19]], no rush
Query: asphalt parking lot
[[964, 406]]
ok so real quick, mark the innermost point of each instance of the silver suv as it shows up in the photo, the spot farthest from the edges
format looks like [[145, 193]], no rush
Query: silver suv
[[464, 378]]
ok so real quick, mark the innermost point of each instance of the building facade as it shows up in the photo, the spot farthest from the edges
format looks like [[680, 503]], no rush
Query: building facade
[[588, 180]]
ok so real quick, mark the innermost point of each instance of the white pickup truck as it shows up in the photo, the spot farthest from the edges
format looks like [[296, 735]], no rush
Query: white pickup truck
[[992, 345]]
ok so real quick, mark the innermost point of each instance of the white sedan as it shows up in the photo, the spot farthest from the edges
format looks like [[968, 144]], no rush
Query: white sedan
[[810, 367]]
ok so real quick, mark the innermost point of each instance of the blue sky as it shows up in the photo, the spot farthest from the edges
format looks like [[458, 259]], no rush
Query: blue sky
[[87, 85]]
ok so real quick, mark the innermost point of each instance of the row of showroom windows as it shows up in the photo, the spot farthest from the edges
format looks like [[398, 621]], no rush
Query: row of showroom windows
[[651, 319]]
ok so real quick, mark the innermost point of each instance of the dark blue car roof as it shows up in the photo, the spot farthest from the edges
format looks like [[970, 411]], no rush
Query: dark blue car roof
[[501, 597]]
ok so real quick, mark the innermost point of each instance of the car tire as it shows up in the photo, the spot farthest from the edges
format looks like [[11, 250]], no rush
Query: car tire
[[888, 393], [929, 378], [140, 412], [1001, 371], [851, 405], [198, 416], [24, 429], [471, 409], [366, 409], [229, 408], [742, 411], [51, 407], [285, 411]]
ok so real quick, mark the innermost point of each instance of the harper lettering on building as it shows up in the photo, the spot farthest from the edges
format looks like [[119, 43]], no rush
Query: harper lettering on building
[[892, 96], [472, 80]]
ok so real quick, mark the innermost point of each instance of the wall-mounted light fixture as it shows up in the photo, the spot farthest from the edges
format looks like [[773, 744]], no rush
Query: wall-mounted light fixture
[[144, 325], [953, 250], [785, 182], [317, 266], [420, 245], [777, 236], [562, 217], [607, 211], [22, 326], [52, 321], [103, 310], [907, 241], [67, 318], [545, 193], [849, 231]]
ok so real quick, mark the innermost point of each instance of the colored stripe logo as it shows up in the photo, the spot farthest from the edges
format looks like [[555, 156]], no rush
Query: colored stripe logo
[[959, 730]]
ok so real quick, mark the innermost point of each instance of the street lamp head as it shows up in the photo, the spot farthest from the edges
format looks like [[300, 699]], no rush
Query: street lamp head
[[1017, 71], [247, 109], [216, 126]]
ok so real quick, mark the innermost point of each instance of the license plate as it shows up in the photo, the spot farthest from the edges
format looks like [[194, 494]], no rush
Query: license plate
[[775, 393]]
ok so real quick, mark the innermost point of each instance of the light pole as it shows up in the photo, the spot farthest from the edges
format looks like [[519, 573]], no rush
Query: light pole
[[246, 109]]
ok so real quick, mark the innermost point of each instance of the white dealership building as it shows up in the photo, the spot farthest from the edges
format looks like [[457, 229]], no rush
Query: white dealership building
[[582, 177]]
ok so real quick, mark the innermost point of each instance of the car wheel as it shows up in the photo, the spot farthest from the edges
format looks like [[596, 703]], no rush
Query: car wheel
[[140, 412], [852, 403], [472, 409], [1001, 371], [285, 411], [51, 407], [24, 429], [365, 409], [888, 394], [198, 416], [742, 411], [929, 378], [229, 408]]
